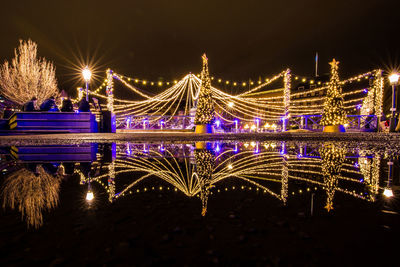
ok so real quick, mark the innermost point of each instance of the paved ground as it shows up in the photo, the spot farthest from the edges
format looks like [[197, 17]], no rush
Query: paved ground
[[152, 136]]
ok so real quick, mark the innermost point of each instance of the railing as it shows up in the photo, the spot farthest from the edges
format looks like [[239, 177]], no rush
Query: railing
[[155, 122], [308, 122], [354, 122]]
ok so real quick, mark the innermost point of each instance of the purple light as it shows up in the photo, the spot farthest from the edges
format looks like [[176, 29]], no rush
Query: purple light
[[365, 91], [218, 123], [236, 148], [356, 165], [217, 148], [358, 106]]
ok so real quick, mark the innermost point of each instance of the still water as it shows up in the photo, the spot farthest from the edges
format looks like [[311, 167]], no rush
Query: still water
[[257, 203]]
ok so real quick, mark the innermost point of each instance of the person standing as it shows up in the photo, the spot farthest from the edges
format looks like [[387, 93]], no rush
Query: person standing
[[49, 105], [84, 105], [67, 105], [31, 105]]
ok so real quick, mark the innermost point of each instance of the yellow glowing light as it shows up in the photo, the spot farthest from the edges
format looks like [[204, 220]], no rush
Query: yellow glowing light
[[246, 145], [144, 82], [388, 193], [159, 83], [234, 84], [296, 78], [346, 125], [152, 83], [231, 104], [259, 82], [244, 84], [89, 196], [87, 74], [303, 80], [246, 126], [274, 126], [136, 80], [266, 146], [251, 83], [227, 82], [253, 127], [394, 78], [267, 125], [312, 81], [219, 80], [230, 166], [175, 82], [253, 144]]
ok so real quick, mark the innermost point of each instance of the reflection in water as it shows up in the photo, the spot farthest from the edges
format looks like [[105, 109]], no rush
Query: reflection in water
[[333, 157], [279, 169], [32, 190], [205, 163]]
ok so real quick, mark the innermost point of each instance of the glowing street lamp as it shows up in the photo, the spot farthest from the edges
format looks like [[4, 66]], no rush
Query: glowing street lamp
[[393, 79], [388, 192], [89, 196], [87, 74]]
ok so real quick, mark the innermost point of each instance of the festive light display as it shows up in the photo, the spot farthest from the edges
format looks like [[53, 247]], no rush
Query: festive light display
[[109, 90], [269, 106], [333, 157], [200, 177], [334, 113], [205, 105], [205, 164]]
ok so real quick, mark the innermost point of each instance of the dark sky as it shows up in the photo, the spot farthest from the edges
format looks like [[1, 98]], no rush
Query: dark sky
[[243, 39]]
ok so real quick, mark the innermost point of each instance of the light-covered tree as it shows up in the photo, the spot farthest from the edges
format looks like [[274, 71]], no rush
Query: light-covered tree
[[334, 113], [205, 106], [27, 76]]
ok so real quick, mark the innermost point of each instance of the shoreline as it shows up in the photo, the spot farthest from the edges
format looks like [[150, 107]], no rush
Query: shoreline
[[151, 136]]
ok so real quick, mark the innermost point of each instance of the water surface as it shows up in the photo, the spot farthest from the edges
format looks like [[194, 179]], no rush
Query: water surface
[[258, 203]]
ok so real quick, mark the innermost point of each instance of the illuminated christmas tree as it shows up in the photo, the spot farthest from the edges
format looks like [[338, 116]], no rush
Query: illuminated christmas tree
[[205, 105], [332, 157], [205, 163], [334, 113]]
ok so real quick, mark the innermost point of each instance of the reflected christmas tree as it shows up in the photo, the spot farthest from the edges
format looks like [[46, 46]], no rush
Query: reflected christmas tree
[[205, 164], [332, 156]]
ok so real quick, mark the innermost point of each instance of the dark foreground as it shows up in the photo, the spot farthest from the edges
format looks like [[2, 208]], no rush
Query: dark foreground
[[166, 228]]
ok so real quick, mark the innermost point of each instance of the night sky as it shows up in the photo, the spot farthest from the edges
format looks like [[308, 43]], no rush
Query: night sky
[[243, 39]]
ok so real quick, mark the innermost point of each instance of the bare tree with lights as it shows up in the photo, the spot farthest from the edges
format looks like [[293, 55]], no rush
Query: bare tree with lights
[[334, 116], [27, 76], [205, 114]]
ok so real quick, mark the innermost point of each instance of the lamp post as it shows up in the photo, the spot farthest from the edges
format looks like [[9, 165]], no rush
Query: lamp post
[[393, 78], [87, 74]]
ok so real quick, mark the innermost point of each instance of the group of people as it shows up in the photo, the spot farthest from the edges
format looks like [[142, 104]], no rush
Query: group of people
[[50, 105]]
